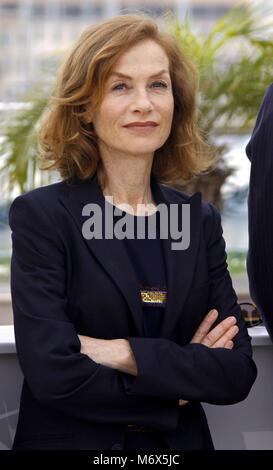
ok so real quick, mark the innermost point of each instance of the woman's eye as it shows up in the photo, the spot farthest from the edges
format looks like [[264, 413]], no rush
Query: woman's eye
[[117, 87], [160, 83]]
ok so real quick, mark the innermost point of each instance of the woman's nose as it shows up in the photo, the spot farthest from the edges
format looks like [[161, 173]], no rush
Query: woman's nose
[[142, 100]]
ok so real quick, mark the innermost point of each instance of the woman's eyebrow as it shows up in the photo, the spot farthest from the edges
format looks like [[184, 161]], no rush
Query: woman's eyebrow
[[119, 74]]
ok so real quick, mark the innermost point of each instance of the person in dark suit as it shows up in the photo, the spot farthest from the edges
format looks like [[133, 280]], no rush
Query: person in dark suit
[[260, 218], [120, 338]]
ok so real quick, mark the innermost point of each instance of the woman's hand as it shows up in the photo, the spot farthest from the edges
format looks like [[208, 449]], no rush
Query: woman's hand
[[219, 337], [114, 353]]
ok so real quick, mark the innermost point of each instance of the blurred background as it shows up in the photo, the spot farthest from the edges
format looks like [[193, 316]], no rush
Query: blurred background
[[231, 44]]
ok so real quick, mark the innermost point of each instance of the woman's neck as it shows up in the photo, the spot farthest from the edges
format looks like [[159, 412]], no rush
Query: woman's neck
[[130, 186]]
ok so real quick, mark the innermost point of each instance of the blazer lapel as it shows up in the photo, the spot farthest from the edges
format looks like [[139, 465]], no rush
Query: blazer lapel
[[180, 269], [180, 264], [112, 255]]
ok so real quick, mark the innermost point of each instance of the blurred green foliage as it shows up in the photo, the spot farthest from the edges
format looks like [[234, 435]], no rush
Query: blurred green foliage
[[236, 261], [235, 65], [19, 147]]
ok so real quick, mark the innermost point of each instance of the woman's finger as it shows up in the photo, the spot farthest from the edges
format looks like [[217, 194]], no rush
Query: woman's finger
[[219, 331], [229, 335], [204, 326]]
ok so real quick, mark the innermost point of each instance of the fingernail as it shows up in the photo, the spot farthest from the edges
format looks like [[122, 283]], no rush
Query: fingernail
[[232, 320], [213, 313]]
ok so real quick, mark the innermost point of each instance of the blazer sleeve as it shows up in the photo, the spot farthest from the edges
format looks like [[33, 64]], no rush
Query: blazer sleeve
[[260, 215], [196, 372], [48, 347]]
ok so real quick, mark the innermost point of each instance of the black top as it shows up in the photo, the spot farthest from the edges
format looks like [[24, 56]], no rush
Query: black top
[[148, 261]]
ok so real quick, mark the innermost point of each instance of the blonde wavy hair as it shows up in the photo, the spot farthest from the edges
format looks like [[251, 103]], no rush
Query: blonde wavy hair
[[71, 144]]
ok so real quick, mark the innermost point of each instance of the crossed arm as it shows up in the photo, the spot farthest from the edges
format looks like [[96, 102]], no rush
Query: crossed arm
[[117, 353]]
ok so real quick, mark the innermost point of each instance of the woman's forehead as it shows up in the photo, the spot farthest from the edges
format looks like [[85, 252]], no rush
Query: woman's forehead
[[155, 61], [143, 49]]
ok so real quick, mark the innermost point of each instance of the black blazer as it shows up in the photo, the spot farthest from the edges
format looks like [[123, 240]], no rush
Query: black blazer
[[63, 284], [260, 211]]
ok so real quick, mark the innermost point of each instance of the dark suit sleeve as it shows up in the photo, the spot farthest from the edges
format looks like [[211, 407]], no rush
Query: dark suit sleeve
[[196, 372], [260, 213], [48, 347]]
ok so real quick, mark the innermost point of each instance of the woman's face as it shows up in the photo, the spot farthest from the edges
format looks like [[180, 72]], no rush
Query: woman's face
[[145, 94]]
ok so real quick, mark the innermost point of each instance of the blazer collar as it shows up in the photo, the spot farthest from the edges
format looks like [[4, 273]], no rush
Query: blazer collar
[[112, 255]]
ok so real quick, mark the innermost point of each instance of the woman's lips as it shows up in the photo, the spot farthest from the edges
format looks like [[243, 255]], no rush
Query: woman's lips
[[140, 128]]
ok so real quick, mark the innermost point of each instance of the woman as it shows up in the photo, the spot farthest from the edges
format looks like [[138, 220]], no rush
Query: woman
[[121, 338]]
